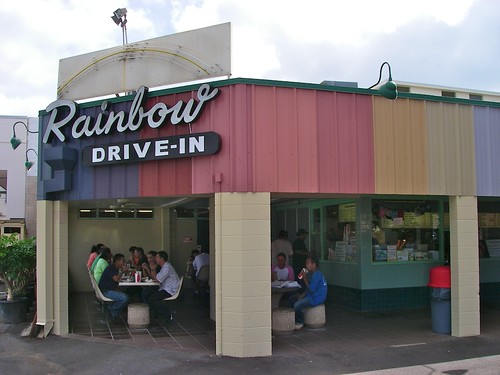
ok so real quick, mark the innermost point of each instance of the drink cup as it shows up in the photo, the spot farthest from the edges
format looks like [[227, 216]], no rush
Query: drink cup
[[302, 273], [137, 276]]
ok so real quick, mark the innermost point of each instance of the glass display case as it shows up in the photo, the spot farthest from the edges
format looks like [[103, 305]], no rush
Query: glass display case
[[405, 230]]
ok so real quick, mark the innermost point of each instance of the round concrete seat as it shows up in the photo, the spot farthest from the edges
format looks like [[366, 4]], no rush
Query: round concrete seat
[[138, 315], [283, 321], [314, 317]]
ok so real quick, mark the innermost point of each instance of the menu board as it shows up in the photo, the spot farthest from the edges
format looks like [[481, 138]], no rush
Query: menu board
[[347, 213], [488, 220]]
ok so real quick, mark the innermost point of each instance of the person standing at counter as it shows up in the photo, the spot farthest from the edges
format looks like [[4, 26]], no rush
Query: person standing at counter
[[281, 245], [315, 294], [300, 252]]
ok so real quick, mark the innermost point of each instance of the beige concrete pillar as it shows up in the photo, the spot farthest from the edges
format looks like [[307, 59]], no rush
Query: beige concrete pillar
[[212, 257], [242, 274], [44, 266], [61, 311], [52, 267], [464, 259]]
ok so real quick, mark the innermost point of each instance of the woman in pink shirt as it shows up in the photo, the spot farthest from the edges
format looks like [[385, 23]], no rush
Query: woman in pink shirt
[[281, 271], [94, 252]]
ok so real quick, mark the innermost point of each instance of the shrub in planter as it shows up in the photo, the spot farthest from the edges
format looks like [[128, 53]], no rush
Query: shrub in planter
[[17, 264]]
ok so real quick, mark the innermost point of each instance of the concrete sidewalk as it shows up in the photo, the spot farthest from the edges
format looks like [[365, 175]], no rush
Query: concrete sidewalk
[[78, 355]]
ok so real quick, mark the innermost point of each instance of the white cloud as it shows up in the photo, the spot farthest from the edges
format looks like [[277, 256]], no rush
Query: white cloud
[[449, 42]]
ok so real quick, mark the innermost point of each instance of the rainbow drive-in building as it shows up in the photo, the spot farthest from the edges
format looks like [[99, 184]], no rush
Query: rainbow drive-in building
[[387, 189]]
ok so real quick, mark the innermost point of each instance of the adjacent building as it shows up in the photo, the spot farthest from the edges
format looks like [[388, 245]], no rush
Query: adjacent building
[[17, 184]]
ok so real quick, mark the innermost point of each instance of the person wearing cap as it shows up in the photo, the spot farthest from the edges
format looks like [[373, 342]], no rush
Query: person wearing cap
[[300, 252], [281, 245]]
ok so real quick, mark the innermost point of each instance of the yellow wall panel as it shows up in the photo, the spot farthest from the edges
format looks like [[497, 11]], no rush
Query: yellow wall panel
[[400, 137], [450, 132]]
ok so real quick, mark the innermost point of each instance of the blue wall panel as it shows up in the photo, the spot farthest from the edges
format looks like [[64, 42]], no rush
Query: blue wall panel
[[101, 182], [487, 134]]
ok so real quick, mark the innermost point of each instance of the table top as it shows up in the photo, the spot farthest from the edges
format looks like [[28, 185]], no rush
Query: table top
[[128, 282], [284, 286]]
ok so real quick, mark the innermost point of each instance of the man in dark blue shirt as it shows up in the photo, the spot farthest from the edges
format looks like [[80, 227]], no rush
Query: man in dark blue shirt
[[315, 294], [109, 286]]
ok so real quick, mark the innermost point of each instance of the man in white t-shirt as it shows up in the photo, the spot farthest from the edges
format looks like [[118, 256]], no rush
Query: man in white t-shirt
[[281, 245], [200, 261]]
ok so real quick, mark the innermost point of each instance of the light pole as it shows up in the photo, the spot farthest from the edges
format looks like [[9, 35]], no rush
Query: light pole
[[120, 18]]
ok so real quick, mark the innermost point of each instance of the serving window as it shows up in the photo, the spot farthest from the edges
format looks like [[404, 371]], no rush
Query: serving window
[[340, 232], [406, 231]]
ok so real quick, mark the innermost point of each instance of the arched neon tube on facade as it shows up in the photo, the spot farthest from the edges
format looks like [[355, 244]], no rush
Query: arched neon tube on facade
[[14, 141], [28, 164], [389, 89]]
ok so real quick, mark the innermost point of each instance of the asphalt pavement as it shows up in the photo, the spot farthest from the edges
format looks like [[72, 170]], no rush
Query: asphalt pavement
[[75, 354]]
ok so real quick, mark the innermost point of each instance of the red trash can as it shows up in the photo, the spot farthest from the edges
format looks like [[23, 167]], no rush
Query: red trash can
[[440, 283]]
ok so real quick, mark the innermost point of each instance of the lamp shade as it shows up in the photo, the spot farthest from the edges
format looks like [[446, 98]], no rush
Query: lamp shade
[[389, 90], [116, 19], [28, 165], [15, 142]]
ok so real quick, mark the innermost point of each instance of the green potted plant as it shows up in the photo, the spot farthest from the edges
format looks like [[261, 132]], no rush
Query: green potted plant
[[17, 268]]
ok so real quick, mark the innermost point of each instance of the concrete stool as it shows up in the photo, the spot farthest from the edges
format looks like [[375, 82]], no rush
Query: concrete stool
[[314, 317], [283, 321], [138, 315]]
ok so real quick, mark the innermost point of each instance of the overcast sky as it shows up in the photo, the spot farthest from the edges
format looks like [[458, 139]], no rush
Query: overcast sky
[[441, 42]]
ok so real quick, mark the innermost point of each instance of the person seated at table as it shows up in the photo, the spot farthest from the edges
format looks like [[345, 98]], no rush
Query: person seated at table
[[137, 258], [281, 271], [315, 293], [94, 253], [100, 264], [200, 261], [109, 286], [150, 265], [96, 259], [169, 284], [189, 263]]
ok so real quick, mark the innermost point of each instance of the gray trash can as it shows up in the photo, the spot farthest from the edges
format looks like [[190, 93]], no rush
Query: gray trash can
[[440, 282], [441, 310]]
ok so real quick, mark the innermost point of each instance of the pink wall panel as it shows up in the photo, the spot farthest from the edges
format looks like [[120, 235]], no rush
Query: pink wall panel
[[307, 134], [328, 151], [287, 174], [275, 139], [264, 141], [345, 143]]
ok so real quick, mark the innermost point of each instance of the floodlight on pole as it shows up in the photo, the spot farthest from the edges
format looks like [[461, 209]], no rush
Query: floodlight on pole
[[14, 141], [389, 89], [120, 18]]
